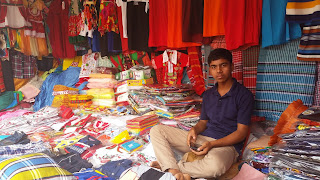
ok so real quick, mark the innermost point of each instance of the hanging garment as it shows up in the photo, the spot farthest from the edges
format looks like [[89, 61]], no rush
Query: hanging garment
[[56, 20], [169, 67], [213, 24], [275, 29], [158, 23], [175, 26], [242, 22], [13, 14], [250, 58], [281, 79], [309, 48], [89, 18], [124, 41], [299, 11], [192, 20], [195, 73], [23, 66], [108, 20], [138, 26], [110, 44]]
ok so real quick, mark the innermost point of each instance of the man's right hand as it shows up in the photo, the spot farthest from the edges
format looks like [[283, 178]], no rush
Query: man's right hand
[[192, 136]]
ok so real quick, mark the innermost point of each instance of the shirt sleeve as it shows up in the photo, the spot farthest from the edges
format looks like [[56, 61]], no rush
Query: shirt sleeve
[[246, 107], [204, 115], [157, 62]]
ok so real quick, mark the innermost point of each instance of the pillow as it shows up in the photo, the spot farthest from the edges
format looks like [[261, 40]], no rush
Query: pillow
[[32, 166], [287, 119]]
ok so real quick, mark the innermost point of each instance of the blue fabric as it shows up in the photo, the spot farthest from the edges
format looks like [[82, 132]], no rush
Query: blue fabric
[[68, 78], [91, 174], [14, 102], [94, 42], [224, 113], [115, 168], [281, 79], [275, 30]]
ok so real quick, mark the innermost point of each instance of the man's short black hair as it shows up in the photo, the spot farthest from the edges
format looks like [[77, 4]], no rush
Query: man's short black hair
[[220, 53]]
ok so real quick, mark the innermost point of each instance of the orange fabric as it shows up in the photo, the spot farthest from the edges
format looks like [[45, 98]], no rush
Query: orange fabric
[[213, 24], [42, 47], [175, 26], [288, 118]]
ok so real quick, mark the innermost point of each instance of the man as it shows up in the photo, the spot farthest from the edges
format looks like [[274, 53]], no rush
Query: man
[[220, 133]]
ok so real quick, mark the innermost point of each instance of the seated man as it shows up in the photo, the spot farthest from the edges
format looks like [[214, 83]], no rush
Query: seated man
[[220, 133]]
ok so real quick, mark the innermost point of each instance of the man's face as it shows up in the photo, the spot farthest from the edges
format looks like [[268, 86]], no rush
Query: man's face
[[221, 70]]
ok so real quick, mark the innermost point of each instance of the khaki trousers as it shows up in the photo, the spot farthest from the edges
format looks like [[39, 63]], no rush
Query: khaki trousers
[[214, 164]]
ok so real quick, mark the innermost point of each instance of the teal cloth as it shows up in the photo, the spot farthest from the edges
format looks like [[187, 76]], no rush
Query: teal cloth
[[6, 99]]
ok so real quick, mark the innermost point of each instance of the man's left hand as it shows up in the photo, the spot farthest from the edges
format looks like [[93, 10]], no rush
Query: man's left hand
[[203, 149]]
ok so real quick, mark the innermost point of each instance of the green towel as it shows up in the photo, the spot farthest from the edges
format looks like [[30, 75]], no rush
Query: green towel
[[6, 99]]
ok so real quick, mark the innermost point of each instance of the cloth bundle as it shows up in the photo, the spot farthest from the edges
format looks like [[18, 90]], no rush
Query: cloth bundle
[[142, 124], [61, 95]]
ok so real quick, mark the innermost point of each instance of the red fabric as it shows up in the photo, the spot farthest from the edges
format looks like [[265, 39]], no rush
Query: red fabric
[[3, 13], [158, 23], [238, 66], [195, 72], [171, 78], [56, 20], [124, 41], [2, 85], [242, 21]]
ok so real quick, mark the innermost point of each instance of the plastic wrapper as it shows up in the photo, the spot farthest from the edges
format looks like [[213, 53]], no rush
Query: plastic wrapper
[[289, 174]]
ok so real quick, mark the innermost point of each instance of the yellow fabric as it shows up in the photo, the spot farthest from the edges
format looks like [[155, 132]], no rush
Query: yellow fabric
[[94, 75], [123, 136], [68, 142], [63, 88], [80, 97], [68, 62], [96, 91], [60, 100], [42, 48]]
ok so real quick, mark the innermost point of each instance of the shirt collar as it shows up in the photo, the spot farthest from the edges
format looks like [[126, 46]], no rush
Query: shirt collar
[[173, 58], [230, 92]]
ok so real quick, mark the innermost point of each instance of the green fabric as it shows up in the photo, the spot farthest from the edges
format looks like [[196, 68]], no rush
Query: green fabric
[[20, 95], [6, 99]]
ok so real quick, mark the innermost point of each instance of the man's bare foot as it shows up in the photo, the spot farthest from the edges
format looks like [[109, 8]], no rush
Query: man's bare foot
[[155, 164], [180, 176]]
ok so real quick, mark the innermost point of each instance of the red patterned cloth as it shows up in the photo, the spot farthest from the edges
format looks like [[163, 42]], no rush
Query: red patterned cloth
[[195, 72], [250, 58]]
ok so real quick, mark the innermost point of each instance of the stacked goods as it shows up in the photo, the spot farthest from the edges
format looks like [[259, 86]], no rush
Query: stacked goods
[[61, 95], [142, 124], [133, 78], [168, 101], [101, 88]]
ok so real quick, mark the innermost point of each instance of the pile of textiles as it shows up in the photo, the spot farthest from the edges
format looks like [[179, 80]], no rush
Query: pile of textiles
[[101, 88], [168, 102], [142, 124], [298, 156]]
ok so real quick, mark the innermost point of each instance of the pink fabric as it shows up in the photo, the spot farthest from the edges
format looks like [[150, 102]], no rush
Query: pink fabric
[[10, 114], [29, 91], [92, 85]]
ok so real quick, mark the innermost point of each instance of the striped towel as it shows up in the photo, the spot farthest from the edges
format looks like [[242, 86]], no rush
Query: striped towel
[[250, 58], [309, 48], [317, 90], [282, 79]]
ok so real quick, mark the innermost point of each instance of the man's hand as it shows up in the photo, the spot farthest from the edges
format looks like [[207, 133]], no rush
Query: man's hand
[[192, 137], [203, 149]]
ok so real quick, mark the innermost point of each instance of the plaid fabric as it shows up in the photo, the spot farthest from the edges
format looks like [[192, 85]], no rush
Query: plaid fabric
[[250, 58], [316, 101], [238, 67], [32, 166], [2, 85], [281, 79], [22, 65]]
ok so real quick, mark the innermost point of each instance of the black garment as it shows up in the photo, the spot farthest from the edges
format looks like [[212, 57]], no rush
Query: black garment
[[137, 26], [72, 162], [45, 64], [8, 75], [108, 49], [151, 174]]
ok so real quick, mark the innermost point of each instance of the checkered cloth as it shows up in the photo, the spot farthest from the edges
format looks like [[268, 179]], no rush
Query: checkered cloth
[[250, 58], [2, 85], [316, 101], [22, 65]]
